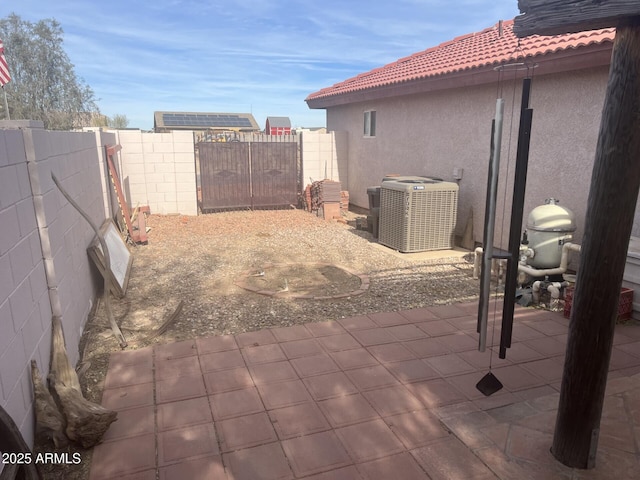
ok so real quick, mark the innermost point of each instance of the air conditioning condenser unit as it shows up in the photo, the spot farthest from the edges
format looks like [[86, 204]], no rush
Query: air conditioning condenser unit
[[418, 214]]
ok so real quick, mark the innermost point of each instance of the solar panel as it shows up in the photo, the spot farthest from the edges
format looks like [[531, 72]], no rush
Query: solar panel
[[204, 120]]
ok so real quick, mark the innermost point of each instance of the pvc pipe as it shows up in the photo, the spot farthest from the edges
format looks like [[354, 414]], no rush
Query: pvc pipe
[[535, 291], [554, 290], [477, 261], [526, 252], [564, 260]]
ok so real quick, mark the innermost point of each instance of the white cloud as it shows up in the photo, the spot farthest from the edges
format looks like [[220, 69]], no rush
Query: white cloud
[[260, 55]]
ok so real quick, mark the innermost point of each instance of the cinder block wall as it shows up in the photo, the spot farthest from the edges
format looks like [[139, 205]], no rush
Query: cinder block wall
[[25, 311], [41, 230], [104, 139], [324, 157], [158, 169]]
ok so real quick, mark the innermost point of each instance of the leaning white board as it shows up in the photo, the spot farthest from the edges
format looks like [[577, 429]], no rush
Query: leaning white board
[[119, 256]]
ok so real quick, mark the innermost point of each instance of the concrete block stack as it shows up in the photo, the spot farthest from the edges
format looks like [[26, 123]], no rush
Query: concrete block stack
[[326, 199], [344, 201]]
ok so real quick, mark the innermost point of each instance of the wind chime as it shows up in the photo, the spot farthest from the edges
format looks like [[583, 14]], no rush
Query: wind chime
[[489, 384]]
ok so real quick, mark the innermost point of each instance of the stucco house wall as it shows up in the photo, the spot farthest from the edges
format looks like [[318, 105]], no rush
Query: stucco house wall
[[433, 133]]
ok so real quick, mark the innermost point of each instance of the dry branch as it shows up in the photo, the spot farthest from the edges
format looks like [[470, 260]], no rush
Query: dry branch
[[49, 421], [165, 325], [107, 260], [86, 421], [60, 364]]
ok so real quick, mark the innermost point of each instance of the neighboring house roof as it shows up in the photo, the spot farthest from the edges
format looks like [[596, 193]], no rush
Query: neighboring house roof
[[204, 121], [466, 55], [279, 122]]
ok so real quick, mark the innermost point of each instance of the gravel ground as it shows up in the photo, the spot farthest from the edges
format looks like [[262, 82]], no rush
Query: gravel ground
[[198, 260]]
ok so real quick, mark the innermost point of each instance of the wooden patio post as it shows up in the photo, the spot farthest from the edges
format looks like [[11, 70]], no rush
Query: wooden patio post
[[610, 213]]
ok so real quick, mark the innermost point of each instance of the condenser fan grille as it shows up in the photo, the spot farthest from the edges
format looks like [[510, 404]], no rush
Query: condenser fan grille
[[418, 218]]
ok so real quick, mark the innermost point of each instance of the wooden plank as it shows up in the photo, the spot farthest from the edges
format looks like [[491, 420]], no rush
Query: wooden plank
[[555, 17], [115, 180], [610, 214]]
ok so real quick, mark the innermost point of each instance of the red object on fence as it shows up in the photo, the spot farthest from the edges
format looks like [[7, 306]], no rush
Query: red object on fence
[[137, 232], [625, 304], [5, 77]]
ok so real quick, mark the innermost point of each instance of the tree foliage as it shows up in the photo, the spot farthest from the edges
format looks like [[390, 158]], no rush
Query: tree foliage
[[118, 121], [43, 83]]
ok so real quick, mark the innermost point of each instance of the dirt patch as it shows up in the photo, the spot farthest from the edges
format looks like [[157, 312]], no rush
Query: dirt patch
[[313, 281]]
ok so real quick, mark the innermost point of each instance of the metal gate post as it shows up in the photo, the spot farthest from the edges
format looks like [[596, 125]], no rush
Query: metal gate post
[[250, 176]]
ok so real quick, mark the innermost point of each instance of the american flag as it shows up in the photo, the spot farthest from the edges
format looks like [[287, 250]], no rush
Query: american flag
[[4, 68]]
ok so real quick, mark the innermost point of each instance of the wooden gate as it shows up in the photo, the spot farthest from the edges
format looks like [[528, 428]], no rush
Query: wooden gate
[[248, 175]]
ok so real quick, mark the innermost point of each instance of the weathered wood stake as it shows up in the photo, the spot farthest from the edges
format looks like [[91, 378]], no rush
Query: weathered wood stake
[[50, 423], [86, 422], [609, 220]]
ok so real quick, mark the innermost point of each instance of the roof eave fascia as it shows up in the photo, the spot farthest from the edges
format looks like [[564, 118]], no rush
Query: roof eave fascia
[[591, 56]]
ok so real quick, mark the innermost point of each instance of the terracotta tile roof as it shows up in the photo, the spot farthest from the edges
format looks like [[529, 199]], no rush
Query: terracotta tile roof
[[466, 52]]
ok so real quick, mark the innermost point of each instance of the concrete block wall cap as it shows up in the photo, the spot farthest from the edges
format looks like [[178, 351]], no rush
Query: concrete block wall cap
[[18, 124]]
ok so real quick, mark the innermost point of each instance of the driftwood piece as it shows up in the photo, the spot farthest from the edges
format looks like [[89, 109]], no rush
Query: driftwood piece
[[49, 421], [60, 364], [11, 441], [86, 422], [107, 260]]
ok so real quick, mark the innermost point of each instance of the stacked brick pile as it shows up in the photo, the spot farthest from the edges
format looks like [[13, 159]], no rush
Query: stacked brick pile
[[344, 201], [325, 199], [307, 197]]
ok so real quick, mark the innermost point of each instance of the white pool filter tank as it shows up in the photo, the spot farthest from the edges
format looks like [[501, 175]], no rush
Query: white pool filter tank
[[549, 227]]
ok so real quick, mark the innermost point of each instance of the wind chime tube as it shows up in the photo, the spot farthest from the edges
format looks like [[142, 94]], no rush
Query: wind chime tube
[[489, 227], [482, 301], [517, 211]]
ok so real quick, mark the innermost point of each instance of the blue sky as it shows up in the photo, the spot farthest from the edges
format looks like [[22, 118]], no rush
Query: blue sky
[[258, 56]]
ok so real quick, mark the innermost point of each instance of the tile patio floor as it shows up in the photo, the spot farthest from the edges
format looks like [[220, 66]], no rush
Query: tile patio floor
[[380, 396]]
